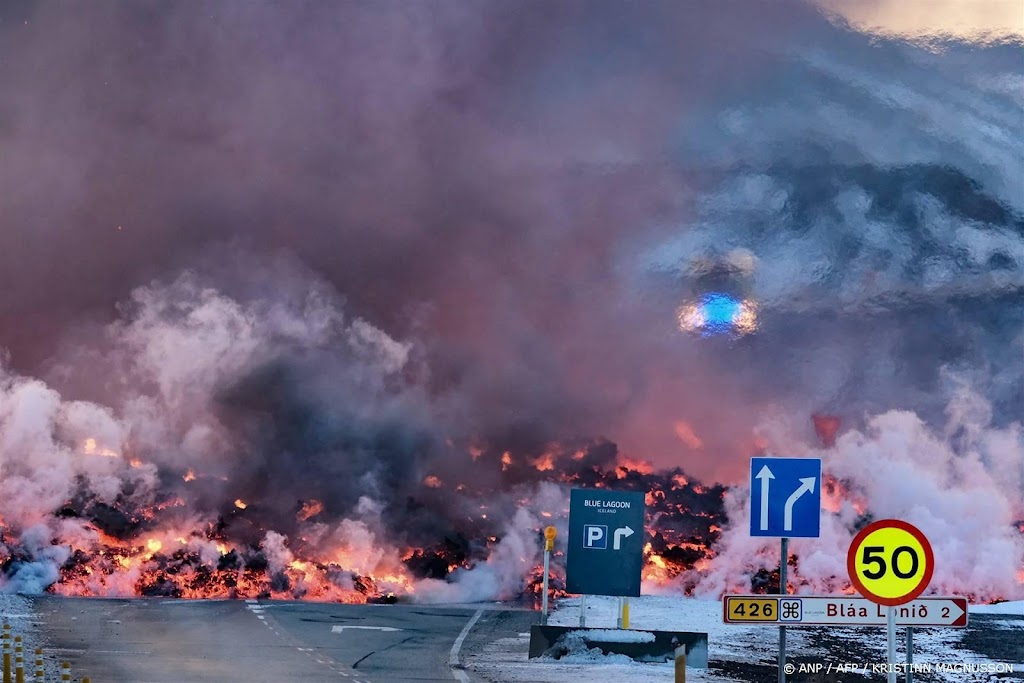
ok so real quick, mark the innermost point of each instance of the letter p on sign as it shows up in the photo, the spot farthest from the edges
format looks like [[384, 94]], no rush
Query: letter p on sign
[[595, 536]]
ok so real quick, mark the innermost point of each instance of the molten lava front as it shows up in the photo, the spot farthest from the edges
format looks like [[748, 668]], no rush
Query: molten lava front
[[170, 549], [486, 514]]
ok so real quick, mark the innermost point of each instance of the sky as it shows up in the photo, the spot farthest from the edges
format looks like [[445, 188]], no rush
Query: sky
[[976, 20]]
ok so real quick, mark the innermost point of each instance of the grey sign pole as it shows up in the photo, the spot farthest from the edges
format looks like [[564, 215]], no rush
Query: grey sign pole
[[583, 610], [890, 628], [544, 600], [783, 590], [910, 653]]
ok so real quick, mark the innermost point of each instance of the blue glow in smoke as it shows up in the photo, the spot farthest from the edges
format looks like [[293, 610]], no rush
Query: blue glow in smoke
[[720, 311]]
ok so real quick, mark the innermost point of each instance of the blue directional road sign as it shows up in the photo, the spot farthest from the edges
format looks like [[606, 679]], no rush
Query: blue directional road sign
[[606, 542], [785, 497]]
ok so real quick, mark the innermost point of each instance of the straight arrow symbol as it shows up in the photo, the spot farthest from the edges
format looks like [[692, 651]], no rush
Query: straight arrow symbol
[[765, 475], [806, 486]]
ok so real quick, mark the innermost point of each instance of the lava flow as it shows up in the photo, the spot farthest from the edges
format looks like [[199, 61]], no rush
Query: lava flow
[[163, 550]]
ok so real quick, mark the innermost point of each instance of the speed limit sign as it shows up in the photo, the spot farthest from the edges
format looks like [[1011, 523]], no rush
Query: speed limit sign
[[890, 562]]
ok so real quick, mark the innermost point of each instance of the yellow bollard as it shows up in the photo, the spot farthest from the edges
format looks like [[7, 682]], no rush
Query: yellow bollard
[[19, 661], [680, 665], [85, 680], [40, 672], [625, 613], [7, 653], [65, 671]]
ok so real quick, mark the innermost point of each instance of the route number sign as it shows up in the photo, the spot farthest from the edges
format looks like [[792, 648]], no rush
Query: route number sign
[[751, 609], [890, 562], [840, 610]]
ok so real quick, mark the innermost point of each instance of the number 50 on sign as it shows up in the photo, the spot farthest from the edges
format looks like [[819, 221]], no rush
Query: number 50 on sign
[[890, 562]]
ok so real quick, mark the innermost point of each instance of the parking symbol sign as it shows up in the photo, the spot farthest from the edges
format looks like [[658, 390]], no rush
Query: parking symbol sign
[[595, 536], [605, 553]]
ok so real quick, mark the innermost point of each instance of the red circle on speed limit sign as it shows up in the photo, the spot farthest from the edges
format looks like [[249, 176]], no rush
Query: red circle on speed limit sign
[[890, 562]]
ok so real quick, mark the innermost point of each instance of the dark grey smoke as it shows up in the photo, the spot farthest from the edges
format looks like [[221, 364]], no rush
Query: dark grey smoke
[[321, 247], [465, 173]]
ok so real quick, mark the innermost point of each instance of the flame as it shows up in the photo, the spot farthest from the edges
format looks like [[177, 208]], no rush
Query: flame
[[240, 504], [545, 463], [627, 464], [506, 460], [309, 510], [90, 447], [432, 481], [190, 475], [687, 435], [835, 494]]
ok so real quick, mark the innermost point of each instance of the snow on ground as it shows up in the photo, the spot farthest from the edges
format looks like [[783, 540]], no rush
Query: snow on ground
[[19, 612], [746, 653], [614, 635], [1015, 608]]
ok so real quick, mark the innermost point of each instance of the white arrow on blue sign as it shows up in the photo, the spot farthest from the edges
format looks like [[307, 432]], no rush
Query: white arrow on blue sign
[[785, 497]]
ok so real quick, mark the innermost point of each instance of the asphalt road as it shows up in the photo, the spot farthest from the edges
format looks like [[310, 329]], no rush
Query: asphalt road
[[177, 641]]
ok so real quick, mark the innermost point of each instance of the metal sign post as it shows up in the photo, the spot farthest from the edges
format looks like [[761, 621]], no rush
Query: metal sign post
[[783, 590], [890, 562], [890, 629], [910, 653], [549, 544]]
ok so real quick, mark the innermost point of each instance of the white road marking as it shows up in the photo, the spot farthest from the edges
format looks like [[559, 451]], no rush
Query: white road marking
[[253, 602], [453, 658], [339, 629], [308, 650]]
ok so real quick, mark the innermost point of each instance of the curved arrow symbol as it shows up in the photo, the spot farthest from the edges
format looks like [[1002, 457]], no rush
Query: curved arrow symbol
[[806, 486], [624, 532]]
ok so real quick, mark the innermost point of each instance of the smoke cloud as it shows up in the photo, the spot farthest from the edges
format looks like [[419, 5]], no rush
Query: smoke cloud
[[306, 256]]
